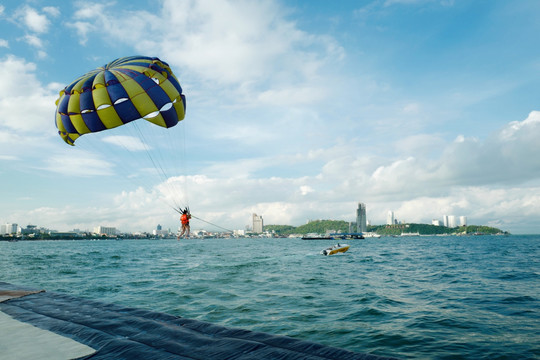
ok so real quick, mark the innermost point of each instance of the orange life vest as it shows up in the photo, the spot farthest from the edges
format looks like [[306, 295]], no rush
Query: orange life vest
[[184, 219]]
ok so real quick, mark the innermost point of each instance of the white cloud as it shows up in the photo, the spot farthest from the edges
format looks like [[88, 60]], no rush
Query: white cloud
[[33, 20], [506, 157], [37, 24], [8, 157], [515, 128], [83, 29], [52, 11], [464, 179], [20, 88], [4, 43], [90, 17], [33, 40], [305, 189], [416, 192], [85, 218], [242, 44]]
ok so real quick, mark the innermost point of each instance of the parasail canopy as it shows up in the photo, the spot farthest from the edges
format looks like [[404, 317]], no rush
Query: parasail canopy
[[126, 89]]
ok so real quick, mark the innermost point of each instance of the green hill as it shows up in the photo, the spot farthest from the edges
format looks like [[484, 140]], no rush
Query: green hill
[[323, 226], [426, 229], [317, 226]]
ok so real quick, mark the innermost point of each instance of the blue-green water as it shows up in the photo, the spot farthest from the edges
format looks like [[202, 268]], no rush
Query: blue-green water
[[414, 298]]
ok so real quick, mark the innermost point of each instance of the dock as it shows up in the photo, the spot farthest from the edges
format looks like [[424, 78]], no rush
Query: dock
[[37, 324]]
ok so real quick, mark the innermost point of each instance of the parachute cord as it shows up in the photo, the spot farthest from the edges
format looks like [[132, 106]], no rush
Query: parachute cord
[[157, 165], [104, 149], [184, 165], [208, 222], [154, 158]]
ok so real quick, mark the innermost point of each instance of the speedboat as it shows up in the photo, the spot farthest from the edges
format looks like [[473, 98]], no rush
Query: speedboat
[[338, 248]]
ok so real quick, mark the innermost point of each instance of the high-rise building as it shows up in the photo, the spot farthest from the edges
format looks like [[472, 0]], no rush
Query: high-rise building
[[159, 231], [451, 221], [105, 230], [463, 220], [9, 229], [257, 224], [445, 220], [390, 218], [361, 220], [436, 222]]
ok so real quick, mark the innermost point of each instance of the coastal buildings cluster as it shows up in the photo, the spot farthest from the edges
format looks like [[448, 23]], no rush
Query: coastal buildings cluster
[[450, 221], [34, 231], [256, 227]]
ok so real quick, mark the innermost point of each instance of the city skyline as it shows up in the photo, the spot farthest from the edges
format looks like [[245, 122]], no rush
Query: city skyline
[[295, 110], [256, 225]]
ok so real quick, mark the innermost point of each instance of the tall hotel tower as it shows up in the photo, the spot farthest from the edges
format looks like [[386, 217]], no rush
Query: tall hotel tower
[[257, 224], [390, 219], [361, 220]]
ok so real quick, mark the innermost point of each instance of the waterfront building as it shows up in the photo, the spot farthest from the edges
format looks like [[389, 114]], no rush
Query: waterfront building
[[105, 230], [257, 222], [445, 220], [10, 229], [452, 221], [361, 219], [239, 233], [390, 219], [436, 222], [158, 231], [463, 220]]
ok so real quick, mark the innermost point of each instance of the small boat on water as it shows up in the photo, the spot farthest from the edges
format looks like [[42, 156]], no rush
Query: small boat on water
[[335, 249], [317, 238], [333, 236], [371, 235], [348, 236]]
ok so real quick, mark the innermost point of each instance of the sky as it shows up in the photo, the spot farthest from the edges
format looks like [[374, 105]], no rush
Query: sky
[[296, 110]]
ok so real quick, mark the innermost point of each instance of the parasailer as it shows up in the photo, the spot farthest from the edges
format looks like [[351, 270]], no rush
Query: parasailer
[[126, 89], [184, 219]]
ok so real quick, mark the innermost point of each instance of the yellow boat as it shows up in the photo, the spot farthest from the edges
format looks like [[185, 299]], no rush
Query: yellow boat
[[338, 248]]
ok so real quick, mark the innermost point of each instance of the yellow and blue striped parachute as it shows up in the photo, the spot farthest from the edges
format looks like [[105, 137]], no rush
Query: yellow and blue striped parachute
[[117, 93]]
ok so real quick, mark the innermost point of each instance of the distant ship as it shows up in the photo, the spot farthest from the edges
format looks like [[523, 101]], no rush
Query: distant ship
[[371, 235], [314, 236], [339, 236]]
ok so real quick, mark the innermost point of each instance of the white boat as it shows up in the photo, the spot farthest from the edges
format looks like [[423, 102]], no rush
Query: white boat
[[335, 249], [371, 235]]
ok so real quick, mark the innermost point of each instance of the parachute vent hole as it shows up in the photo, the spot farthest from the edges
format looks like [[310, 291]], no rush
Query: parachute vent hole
[[166, 107], [86, 111], [151, 115], [156, 80], [104, 106], [121, 100]]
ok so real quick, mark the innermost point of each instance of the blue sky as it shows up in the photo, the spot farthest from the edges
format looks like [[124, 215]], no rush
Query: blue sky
[[296, 110]]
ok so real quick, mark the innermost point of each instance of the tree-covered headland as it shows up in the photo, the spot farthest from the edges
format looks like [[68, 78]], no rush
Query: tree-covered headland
[[339, 226]]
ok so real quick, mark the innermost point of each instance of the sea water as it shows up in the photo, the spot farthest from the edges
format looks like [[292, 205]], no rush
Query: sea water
[[473, 297]]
